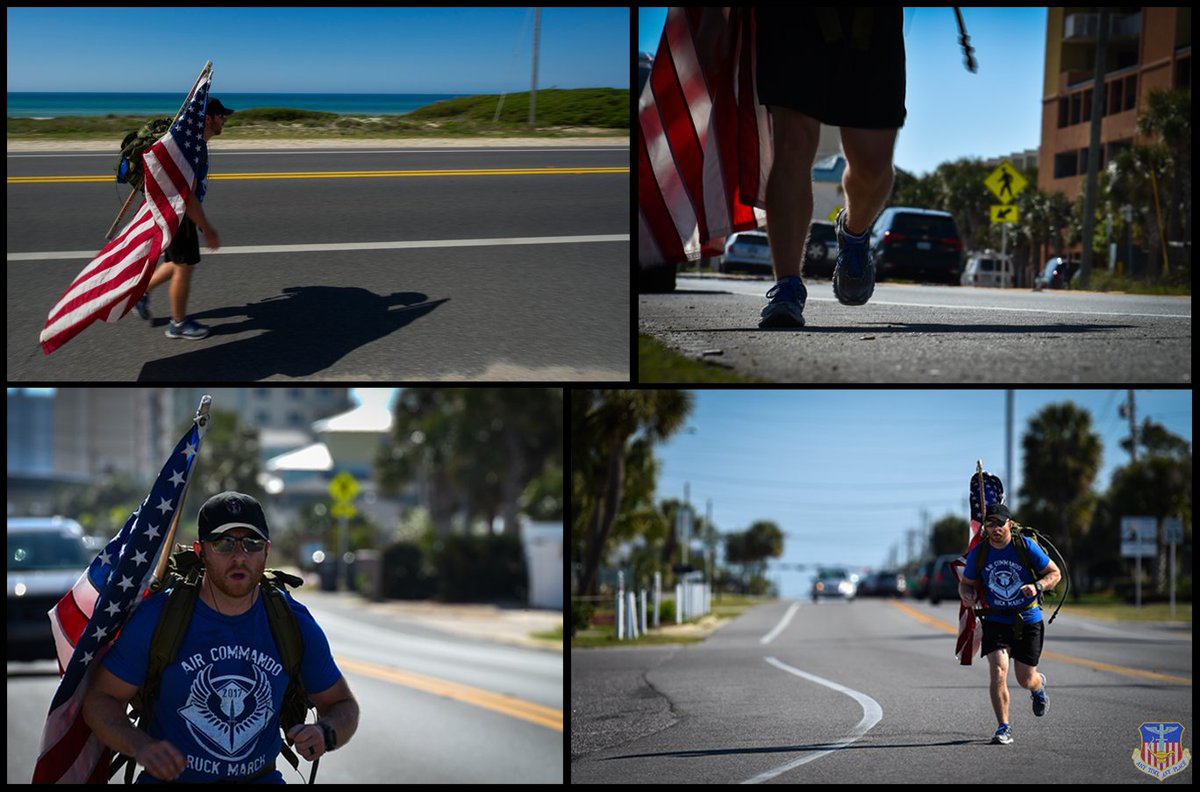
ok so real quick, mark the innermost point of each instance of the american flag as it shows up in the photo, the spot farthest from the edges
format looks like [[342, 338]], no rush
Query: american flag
[[86, 620], [122, 270], [704, 151], [970, 634]]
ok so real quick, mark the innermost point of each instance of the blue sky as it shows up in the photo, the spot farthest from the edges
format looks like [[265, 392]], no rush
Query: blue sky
[[953, 113], [846, 474], [331, 50]]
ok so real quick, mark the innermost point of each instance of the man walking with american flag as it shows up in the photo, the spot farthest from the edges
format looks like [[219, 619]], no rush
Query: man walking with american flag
[[184, 251], [176, 168]]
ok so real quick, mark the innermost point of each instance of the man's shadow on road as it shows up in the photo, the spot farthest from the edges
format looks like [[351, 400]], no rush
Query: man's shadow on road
[[299, 333]]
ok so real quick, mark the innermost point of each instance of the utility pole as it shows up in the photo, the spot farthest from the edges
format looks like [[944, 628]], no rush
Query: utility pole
[[537, 20]]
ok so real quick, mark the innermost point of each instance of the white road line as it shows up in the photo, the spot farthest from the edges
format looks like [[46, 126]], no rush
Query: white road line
[[872, 714], [783, 623], [698, 282], [341, 246]]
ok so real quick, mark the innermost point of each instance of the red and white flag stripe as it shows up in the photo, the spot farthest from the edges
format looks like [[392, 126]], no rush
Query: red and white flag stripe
[[970, 632], [704, 148]]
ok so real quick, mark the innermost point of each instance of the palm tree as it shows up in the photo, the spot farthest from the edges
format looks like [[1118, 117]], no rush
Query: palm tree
[[1062, 456], [602, 425]]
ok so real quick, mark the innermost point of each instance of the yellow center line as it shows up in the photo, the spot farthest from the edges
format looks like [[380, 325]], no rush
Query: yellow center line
[[512, 706], [345, 174], [1096, 665]]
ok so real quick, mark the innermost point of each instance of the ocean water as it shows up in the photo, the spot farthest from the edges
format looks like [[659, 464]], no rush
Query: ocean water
[[54, 105]]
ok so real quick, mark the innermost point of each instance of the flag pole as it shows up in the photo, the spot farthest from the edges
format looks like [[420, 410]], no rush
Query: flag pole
[[201, 420], [129, 201]]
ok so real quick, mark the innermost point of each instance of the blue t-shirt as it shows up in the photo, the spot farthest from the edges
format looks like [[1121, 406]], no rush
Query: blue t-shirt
[[219, 701], [1004, 574]]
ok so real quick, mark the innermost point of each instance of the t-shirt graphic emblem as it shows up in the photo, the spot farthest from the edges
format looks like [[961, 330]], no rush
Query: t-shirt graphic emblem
[[226, 714]]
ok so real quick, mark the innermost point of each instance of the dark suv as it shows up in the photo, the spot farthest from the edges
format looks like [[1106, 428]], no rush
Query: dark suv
[[917, 243]]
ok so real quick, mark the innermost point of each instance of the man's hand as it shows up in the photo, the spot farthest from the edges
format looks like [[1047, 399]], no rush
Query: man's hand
[[212, 238], [309, 740], [161, 760], [967, 593]]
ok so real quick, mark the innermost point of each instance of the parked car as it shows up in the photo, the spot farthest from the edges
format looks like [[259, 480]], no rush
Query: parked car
[[923, 244], [989, 268], [885, 583], [1057, 274], [46, 555], [943, 585], [820, 253], [747, 250]]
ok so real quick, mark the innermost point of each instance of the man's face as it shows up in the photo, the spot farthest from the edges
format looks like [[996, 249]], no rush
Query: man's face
[[213, 124], [998, 532], [236, 573]]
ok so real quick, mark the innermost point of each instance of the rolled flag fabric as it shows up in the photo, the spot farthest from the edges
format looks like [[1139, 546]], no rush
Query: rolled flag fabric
[[704, 148], [970, 632]]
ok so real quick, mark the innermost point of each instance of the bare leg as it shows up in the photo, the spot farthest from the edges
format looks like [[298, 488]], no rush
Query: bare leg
[[789, 188], [161, 275], [179, 291], [998, 665], [867, 180]]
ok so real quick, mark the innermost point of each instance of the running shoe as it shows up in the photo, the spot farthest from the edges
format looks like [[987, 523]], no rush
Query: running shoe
[[786, 306], [188, 328], [1041, 704], [854, 273]]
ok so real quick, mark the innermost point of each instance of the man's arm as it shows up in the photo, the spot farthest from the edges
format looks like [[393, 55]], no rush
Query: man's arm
[[966, 590], [104, 711], [337, 707], [195, 213]]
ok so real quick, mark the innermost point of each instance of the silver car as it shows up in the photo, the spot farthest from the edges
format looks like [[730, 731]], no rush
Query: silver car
[[46, 555]]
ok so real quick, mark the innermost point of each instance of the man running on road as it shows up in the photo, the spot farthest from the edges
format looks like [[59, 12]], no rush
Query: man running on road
[[1012, 619]]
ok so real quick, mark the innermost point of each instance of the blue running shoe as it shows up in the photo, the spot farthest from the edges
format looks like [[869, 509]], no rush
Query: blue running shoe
[[786, 308], [142, 306], [1041, 704], [188, 328], [1003, 735], [854, 274]]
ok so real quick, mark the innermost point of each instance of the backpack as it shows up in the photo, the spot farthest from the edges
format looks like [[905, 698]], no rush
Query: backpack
[[129, 167], [1020, 535], [185, 570]]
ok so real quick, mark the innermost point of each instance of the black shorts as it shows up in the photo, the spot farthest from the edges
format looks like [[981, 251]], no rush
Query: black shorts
[[1027, 649], [842, 66], [185, 247]]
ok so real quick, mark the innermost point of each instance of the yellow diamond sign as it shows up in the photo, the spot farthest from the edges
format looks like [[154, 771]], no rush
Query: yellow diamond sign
[[343, 488], [1006, 182]]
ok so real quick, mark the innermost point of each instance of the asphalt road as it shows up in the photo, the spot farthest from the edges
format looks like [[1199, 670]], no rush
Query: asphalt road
[[456, 264], [869, 693], [928, 334]]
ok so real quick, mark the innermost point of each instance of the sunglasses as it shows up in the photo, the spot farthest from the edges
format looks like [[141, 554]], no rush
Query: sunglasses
[[225, 544]]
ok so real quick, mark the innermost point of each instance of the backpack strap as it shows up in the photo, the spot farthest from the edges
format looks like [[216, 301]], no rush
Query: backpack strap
[[286, 632]]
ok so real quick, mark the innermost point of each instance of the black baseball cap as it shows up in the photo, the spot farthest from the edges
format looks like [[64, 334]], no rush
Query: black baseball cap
[[228, 510], [999, 512], [216, 108]]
